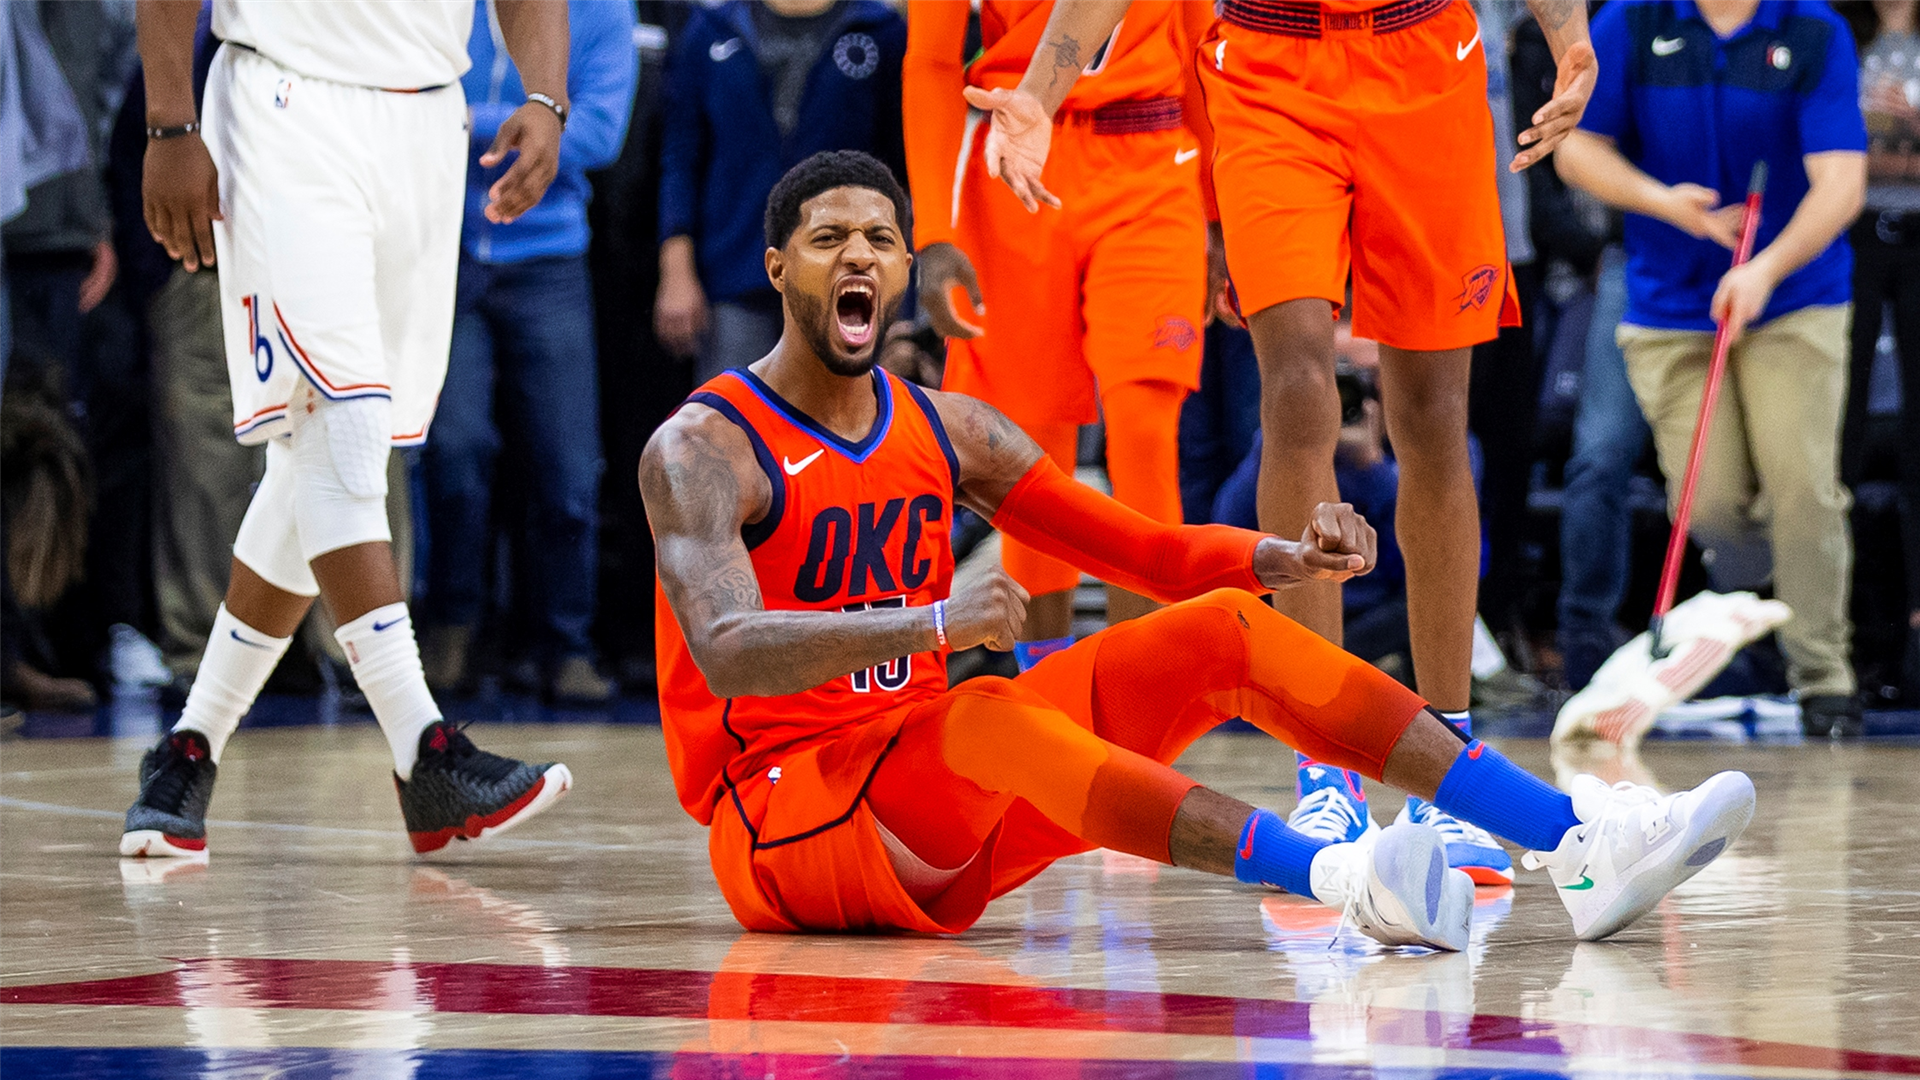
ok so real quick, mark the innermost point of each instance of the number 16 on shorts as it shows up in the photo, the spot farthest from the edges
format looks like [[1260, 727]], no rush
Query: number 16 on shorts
[[262, 348]]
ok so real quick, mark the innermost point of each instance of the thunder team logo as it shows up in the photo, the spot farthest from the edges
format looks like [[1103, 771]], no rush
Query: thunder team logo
[[1174, 332], [1477, 286]]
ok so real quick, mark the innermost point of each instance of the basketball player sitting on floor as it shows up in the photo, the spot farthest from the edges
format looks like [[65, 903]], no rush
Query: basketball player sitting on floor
[[801, 509]]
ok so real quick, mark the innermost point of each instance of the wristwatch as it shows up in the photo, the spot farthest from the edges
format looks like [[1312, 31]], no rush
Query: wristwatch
[[559, 110]]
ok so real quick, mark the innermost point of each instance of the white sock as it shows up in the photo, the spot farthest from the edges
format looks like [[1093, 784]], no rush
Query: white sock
[[1462, 720], [386, 663], [232, 671]]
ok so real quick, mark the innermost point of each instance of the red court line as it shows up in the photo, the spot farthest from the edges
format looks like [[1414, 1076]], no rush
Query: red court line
[[703, 995]]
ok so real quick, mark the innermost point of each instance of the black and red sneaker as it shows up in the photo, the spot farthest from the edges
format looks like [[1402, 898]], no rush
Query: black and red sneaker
[[176, 784], [460, 792]]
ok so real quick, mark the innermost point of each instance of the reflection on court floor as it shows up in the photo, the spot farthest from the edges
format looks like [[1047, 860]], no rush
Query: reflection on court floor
[[594, 944]]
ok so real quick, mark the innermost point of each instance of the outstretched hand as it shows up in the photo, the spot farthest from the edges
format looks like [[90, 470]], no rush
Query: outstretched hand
[[1018, 138], [534, 131], [1578, 71], [1338, 544]]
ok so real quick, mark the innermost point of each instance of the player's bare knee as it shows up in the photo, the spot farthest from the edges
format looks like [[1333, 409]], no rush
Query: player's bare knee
[[1300, 407], [1426, 415], [1302, 326]]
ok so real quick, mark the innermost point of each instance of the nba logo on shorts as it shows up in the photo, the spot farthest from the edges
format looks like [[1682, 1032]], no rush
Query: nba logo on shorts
[[1477, 286], [282, 93]]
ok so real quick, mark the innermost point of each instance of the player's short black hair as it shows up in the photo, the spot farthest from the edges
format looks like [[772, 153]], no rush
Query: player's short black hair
[[825, 171]]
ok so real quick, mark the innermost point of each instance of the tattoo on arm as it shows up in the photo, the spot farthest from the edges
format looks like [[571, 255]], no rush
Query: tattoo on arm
[[994, 452], [1066, 57], [693, 499], [1563, 21], [696, 503]]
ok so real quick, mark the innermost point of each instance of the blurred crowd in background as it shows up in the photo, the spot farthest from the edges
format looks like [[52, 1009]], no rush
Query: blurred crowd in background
[[579, 328]]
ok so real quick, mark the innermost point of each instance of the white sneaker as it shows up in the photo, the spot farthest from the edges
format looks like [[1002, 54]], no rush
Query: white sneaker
[[1634, 846], [1397, 888], [135, 660]]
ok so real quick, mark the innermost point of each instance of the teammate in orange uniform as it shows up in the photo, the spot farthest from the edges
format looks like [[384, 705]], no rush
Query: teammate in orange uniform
[[800, 510], [1093, 311], [1350, 136]]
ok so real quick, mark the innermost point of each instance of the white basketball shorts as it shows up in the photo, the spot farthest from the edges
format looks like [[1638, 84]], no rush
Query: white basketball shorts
[[341, 239]]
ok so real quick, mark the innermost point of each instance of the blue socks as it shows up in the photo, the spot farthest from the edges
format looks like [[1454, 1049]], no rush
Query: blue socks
[[1463, 720], [1302, 783], [1272, 854], [1488, 790], [1029, 653]]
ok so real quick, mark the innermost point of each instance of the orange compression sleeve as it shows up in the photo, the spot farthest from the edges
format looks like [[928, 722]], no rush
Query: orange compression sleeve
[[1055, 515], [931, 79]]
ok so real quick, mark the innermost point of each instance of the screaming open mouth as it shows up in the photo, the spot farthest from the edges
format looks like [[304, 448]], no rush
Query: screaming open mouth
[[853, 312]]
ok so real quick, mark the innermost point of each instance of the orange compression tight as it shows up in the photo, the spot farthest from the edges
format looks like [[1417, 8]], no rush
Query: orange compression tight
[[1143, 464], [1088, 735]]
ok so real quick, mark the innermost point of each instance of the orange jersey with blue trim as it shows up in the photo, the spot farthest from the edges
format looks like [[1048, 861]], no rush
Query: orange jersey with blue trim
[[1146, 57], [853, 526]]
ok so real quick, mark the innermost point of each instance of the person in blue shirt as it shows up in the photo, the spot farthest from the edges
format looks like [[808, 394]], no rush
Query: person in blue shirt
[[1690, 96], [752, 90], [523, 368]]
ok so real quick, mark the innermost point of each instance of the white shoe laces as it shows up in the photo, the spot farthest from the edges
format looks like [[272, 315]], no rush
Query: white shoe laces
[[1595, 803], [1352, 883], [1450, 828], [1327, 814]]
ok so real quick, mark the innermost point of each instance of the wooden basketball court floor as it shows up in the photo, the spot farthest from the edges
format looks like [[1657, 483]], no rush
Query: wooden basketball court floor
[[593, 943]]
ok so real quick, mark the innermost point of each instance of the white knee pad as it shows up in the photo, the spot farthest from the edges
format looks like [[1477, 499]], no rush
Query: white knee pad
[[340, 451], [269, 541]]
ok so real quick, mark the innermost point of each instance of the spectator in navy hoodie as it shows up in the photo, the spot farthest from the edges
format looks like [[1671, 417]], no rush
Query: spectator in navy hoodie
[[752, 89], [523, 367]]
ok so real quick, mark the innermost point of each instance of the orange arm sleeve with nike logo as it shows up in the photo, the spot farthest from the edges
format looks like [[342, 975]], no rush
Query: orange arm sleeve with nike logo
[[1056, 515], [936, 114]]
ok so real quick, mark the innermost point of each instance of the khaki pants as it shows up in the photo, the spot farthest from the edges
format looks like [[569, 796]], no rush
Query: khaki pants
[[204, 479], [1771, 473]]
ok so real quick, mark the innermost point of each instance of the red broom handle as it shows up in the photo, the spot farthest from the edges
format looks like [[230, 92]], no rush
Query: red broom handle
[[1722, 340]]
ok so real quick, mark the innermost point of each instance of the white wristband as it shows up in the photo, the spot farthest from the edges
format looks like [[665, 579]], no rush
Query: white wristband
[[940, 622]]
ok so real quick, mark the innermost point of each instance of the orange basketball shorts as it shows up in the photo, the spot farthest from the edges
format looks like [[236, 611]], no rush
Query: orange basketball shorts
[[1095, 308], [797, 847], [1362, 151]]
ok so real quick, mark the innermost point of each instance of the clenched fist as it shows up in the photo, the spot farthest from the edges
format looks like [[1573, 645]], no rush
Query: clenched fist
[[1337, 545], [991, 613]]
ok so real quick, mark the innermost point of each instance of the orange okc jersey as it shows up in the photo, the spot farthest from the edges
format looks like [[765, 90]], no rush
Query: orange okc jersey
[[852, 526], [1144, 57]]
